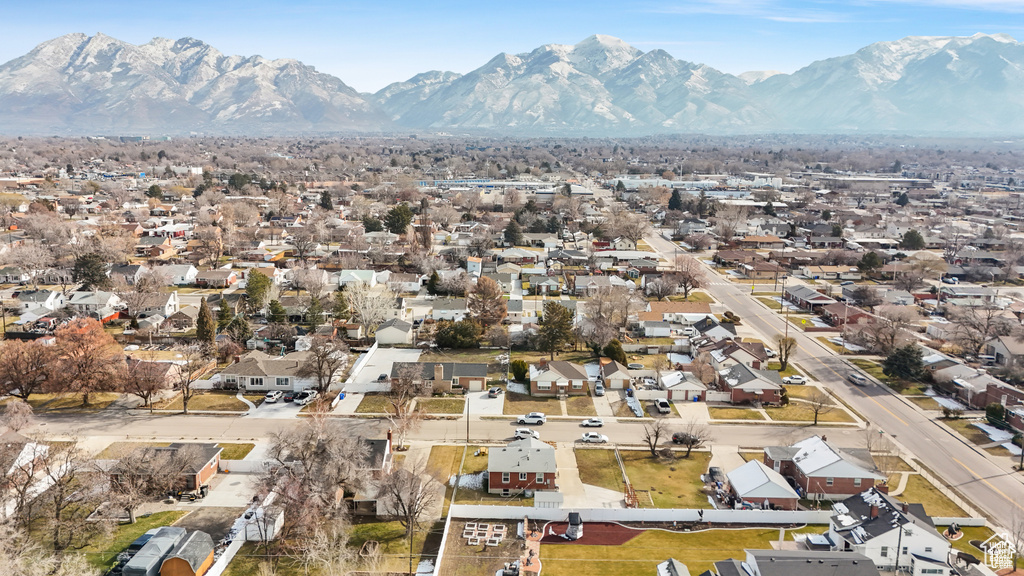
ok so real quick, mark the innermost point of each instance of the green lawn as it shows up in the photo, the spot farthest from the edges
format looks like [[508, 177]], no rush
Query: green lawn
[[60, 402], [789, 371], [875, 370], [598, 467], [235, 451], [925, 402], [670, 483], [442, 405], [580, 406], [374, 404], [734, 414], [694, 297], [801, 412], [393, 543], [802, 391], [697, 550], [921, 491], [770, 303], [516, 403], [102, 553]]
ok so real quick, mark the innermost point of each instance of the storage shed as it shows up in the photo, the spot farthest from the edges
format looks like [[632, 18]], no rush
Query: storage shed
[[147, 560], [193, 556]]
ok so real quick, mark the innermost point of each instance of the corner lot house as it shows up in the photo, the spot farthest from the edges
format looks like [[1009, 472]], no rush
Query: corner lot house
[[558, 378], [807, 299], [260, 372], [821, 471], [526, 464], [746, 384]]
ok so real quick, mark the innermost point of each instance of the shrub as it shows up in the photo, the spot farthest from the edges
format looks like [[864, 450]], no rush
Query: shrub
[[520, 370], [996, 413], [952, 413]]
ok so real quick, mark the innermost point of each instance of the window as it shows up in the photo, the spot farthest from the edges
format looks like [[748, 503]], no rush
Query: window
[[884, 553], [928, 549], [505, 477], [577, 385], [255, 381], [522, 476], [543, 385], [856, 481], [282, 381], [830, 481], [232, 379], [540, 477], [904, 550]]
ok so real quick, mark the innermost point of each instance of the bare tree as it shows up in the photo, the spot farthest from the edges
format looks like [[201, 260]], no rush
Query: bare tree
[[408, 495], [137, 476], [20, 555], [17, 415], [24, 367], [889, 330], [193, 363], [702, 368], [728, 219], [304, 242], [144, 379], [653, 434], [370, 305], [406, 385], [328, 552], [820, 403], [786, 346], [74, 493], [977, 324], [699, 242], [690, 275], [693, 435], [326, 359], [661, 288], [626, 224]]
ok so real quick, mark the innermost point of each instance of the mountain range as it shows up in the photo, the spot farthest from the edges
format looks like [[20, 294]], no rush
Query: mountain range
[[78, 84]]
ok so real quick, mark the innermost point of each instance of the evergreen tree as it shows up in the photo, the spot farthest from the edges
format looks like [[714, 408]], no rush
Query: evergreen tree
[[257, 289], [620, 187], [398, 219], [371, 224], [555, 328], [340, 309], [904, 362], [91, 270], [912, 240], [769, 209], [277, 313], [870, 261], [206, 328], [567, 189], [154, 191], [325, 200], [224, 314], [513, 233], [314, 314], [826, 215], [903, 200], [675, 202], [614, 351], [433, 284]]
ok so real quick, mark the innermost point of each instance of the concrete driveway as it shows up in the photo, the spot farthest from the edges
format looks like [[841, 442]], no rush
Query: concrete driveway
[[380, 362], [276, 410], [480, 404]]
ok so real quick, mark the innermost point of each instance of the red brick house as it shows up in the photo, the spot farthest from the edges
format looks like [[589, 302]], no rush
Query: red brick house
[[197, 463], [749, 385], [839, 314], [821, 471], [526, 464], [558, 378]]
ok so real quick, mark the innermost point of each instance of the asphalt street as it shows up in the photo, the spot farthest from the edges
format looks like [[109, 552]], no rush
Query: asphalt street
[[992, 486]]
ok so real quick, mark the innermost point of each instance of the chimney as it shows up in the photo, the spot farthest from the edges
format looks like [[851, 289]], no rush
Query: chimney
[[883, 488], [392, 446], [874, 511], [906, 508], [438, 372]]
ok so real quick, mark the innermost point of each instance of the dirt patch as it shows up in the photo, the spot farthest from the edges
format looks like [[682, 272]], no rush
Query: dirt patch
[[594, 534], [214, 521]]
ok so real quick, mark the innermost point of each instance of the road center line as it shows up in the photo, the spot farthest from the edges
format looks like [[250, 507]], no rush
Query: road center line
[[987, 483]]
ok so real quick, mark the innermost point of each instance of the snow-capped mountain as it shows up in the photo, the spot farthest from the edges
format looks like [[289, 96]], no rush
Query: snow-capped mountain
[[80, 84]]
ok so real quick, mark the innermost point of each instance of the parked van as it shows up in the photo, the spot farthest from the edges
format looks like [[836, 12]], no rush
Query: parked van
[[858, 379]]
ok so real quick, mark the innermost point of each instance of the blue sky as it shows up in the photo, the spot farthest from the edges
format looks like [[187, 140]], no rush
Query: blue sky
[[370, 44]]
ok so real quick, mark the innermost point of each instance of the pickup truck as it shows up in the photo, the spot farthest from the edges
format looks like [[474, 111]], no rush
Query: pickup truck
[[535, 418]]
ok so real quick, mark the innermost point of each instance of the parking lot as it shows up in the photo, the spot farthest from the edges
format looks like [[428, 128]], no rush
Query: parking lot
[[380, 362]]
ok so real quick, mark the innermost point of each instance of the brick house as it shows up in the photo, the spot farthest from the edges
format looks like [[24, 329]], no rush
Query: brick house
[[447, 376], [806, 298], [839, 313], [821, 471], [198, 463], [762, 270], [558, 378], [762, 242], [746, 384], [526, 464], [217, 278]]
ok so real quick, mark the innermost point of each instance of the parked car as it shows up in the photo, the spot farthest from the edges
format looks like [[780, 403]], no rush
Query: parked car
[[795, 379], [685, 438], [635, 366], [950, 280], [382, 378], [599, 390], [535, 418], [715, 474], [526, 433], [770, 353], [306, 396], [495, 392], [592, 423], [288, 397], [858, 379], [273, 396], [664, 407], [594, 438], [847, 283]]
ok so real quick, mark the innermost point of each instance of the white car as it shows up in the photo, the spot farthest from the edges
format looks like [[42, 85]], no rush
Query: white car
[[534, 418], [795, 379], [526, 433], [273, 396], [594, 438], [592, 423], [306, 396], [770, 353]]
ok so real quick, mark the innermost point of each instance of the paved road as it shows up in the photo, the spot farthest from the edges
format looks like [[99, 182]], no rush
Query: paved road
[[990, 485]]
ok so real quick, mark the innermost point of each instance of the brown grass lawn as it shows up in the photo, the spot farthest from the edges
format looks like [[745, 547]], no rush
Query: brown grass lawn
[[580, 406], [70, 402], [533, 356], [921, 491], [101, 553], [770, 303], [374, 404], [598, 467], [695, 296], [801, 412], [697, 550], [734, 414], [748, 456], [235, 451], [834, 347], [963, 426], [220, 401], [802, 391], [467, 356], [875, 370], [516, 403], [442, 405], [622, 410], [925, 402], [461, 559], [671, 483], [789, 371]]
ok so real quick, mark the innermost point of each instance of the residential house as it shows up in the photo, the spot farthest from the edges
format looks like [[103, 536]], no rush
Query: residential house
[[613, 375], [841, 314], [797, 563], [504, 280], [181, 321], [128, 273], [683, 386], [354, 277], [217, 278], [260, 372], [40, 302], [736, 257], [762, 270], [178, 274], [711, 328], [806, 298], [725, 353], [558, 378], [198, 463], [454, 309], [749, 385], [447, 376], [762, 242], [832, 272], [401, 283], [1008, 351], [825, 242], [540, 285], [590, 285], [474, 266], [394, 331], [526, 464], [277, 276], [890, 533], [821, 471], [759, 485], [165, 305], [97, 304], [977, 388]]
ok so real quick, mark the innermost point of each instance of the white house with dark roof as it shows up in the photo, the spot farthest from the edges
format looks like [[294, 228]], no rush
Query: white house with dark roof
[[257, 371]]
